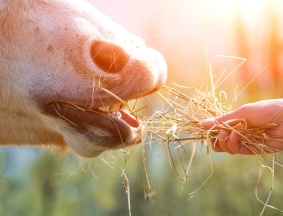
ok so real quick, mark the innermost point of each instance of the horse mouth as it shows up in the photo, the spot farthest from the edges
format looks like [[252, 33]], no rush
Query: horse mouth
[[110, 127]]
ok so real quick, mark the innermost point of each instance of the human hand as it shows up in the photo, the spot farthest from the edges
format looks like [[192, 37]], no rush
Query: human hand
[[256, 114]]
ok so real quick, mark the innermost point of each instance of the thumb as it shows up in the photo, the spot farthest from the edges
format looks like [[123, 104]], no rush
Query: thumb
[[210, 122]]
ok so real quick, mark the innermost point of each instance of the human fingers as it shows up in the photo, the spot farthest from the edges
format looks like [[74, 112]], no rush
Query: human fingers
[[208, 123], [235, 146], [243, 150], [219, 144], [233, 143], [212, 123], [215, 146], [223, 140], [229, 143], [237, 114]]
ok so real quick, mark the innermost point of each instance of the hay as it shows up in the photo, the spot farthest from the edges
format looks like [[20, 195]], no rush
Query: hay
[[181, 122]]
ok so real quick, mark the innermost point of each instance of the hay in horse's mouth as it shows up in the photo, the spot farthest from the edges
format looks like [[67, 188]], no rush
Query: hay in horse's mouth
[[76, 114]]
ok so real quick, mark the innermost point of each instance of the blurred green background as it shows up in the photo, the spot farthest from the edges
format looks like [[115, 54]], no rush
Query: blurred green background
[[46, 185], [39, 182]]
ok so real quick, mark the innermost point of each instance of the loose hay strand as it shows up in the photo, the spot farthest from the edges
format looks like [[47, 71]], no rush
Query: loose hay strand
[[233, 57], [250, 82], [127, 191], [144, 165], [265, 204], [190, 162], [212, 171]]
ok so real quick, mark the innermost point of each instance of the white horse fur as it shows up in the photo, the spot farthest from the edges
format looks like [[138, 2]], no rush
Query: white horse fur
[[55, 55]]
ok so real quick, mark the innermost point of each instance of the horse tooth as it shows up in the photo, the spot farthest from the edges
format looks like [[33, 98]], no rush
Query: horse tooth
[[122, 106], [115, 107], [112, 108], [104, 108]]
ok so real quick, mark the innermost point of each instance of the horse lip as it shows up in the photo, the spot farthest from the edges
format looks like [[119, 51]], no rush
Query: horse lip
[[122, 131], [59, 108]]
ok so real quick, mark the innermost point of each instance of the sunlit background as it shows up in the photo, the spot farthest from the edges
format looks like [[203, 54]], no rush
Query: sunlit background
[[37, 182]]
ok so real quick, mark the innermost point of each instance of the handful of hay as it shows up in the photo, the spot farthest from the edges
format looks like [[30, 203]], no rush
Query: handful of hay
[[181, 122]]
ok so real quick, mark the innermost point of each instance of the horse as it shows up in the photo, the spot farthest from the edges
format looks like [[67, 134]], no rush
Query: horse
[[67, 72]]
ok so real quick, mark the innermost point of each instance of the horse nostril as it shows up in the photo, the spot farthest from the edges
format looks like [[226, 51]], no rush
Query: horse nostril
[[108, 56]]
